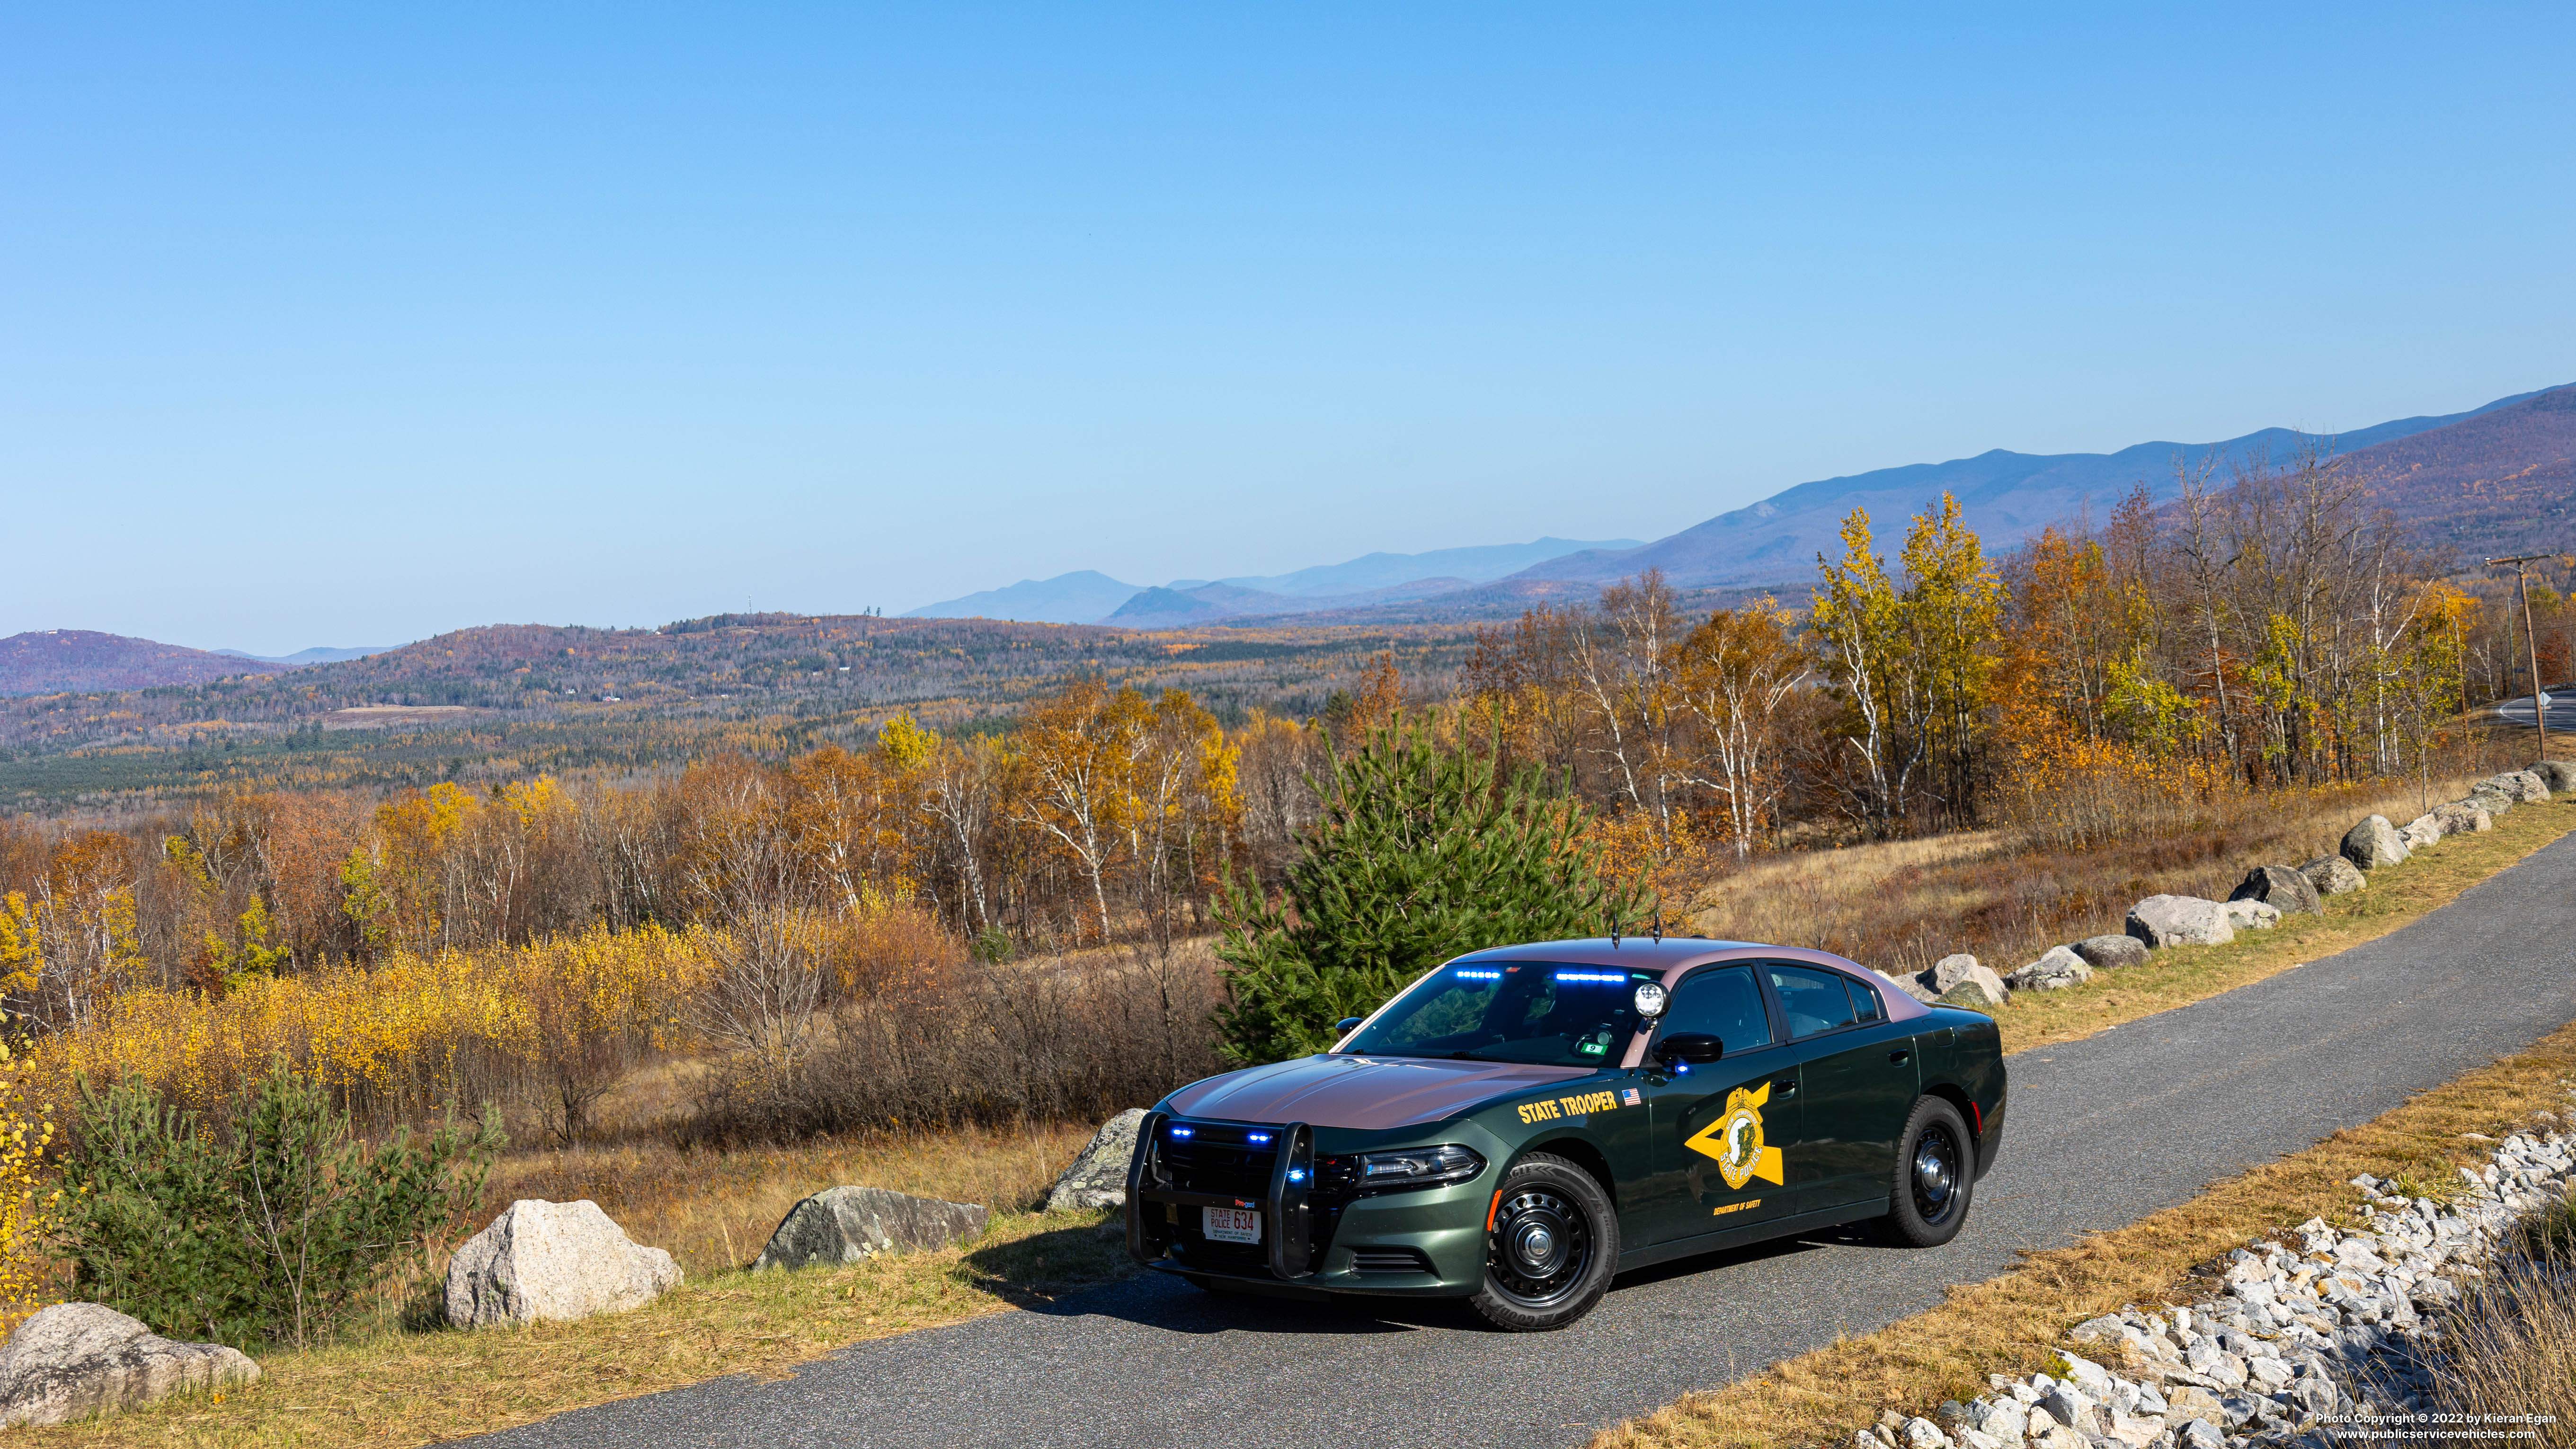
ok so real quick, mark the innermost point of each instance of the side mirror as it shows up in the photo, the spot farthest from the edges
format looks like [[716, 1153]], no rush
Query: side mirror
[[1690, 1046], [1347, 1025]]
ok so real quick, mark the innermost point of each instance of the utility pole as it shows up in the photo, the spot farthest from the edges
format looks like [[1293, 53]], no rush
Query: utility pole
[[2530, 640]]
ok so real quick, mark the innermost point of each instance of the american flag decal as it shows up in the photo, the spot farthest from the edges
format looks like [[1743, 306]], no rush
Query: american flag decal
[[1629, 1096]]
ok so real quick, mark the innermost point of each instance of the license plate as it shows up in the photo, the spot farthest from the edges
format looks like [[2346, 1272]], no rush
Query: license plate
[[1231, 1225]]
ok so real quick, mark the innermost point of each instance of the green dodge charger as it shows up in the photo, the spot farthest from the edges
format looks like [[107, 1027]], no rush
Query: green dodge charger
[[1522, 1123]]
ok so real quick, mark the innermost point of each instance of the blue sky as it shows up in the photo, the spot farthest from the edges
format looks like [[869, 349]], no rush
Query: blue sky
[[350, 324]]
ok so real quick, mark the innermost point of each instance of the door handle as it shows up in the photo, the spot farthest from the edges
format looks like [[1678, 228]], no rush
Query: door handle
[[1897, 1058], [1785, 1084]]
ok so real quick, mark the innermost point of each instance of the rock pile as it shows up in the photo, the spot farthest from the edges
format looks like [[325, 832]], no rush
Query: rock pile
[[2306, 1339], [2267, 893]]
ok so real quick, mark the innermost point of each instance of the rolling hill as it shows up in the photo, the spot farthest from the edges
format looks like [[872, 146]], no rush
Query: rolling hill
[[2499, 482], [57, 661]]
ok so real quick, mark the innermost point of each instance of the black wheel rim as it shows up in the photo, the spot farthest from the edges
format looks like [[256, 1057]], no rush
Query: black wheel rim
[[1935, 1174], [1540, 1250]]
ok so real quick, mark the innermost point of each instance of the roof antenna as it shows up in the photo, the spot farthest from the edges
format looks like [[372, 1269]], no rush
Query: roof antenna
[[1614, 932], [1659, 928]]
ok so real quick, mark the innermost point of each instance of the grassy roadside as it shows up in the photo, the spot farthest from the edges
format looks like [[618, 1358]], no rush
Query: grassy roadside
[[2177, 976], [2012, 1324], [414, 1388]]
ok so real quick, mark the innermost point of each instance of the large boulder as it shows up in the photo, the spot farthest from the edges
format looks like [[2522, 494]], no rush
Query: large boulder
[[2109, 953], [1975, 994], [844, 1224], [2057, 970], [2558, 775], [2494, 801], [2162, 921], [2332, 875], [2524, 786], [1098, 1176], [552, 1261], [2373, 843], [2460, 817], [1950, 972], [2280, 887], [77, 1359], [2252, 915], [2421, 833]]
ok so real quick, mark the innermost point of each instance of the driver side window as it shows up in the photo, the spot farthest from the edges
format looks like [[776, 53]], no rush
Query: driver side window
[[1724, 1003]]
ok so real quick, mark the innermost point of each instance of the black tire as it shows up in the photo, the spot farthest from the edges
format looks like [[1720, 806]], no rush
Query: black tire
[[1935, 1177], [1553, 1247]]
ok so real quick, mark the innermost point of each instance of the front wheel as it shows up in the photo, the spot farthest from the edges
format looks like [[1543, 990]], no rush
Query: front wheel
[[1935, 1176], [1552, 1249]]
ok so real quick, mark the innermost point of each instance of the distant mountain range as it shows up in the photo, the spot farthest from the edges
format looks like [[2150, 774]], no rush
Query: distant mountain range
[[2497, 478], [2494, 480], [317, 655], [1088, 597], [56, 661], [2007, 496]]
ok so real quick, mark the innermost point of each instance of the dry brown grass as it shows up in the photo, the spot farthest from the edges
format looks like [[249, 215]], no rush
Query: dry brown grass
[[711, 1210], [1902, 905], [2013, 1323], [2509, 1344]]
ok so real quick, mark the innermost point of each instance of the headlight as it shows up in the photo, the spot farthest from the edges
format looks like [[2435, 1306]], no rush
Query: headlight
[[1419, 1167]]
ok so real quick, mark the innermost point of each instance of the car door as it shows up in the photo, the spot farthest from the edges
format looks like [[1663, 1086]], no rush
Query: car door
[[1858, 1078], [1717, 1126]]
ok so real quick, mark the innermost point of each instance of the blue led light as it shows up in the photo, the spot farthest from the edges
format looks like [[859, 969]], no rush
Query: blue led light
[[1613, 977], [1260, 1136], [1465, 974], [1296, 1174], [1180, 1131]]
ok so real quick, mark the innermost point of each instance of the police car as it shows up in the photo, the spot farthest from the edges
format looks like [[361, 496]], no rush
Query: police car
[[1522, 1123]]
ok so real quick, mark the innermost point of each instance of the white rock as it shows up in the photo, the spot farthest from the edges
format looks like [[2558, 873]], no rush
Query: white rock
[[2252, 915], [548, 1261], [2056, 970], [2162, 921], [2373, 844], [77, 1359]]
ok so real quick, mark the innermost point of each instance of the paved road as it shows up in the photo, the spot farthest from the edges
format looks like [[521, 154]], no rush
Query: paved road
[[2101, 1133], [2562, 708]]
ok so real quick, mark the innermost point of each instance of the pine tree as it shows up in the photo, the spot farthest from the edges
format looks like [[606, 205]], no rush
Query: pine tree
[[1420, 853]]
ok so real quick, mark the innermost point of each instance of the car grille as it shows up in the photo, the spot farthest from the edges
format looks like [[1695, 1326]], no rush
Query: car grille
[[1221, 1158]]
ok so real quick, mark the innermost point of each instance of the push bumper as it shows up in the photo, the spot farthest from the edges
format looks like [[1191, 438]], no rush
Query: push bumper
[[1423, 1243]]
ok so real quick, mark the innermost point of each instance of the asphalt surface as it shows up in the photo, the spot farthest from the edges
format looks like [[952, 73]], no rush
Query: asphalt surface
[[2101, 1132], [2562, 708]]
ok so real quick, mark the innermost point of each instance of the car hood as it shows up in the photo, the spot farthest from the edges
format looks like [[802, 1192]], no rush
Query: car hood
[[1365, 1093]]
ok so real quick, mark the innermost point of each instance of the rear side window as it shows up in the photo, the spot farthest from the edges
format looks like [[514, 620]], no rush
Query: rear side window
[[1865, 1004], [1725, 1004], [1814, 1000]]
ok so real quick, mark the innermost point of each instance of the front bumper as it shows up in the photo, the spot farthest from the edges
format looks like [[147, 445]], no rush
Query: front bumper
[[1318, 1236]]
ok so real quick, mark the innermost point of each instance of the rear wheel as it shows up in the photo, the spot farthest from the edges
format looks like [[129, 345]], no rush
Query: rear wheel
[[1553, 1247], [1935, 1176]]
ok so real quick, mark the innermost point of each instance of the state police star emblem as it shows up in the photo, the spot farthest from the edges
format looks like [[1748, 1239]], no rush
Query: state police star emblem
[[1735, 1140]]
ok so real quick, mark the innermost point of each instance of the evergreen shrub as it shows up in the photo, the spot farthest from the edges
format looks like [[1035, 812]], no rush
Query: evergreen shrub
[[269, 1226], [1421, 852]]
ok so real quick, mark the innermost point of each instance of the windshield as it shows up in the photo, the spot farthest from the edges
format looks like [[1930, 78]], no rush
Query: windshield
[[1511, 1011]]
